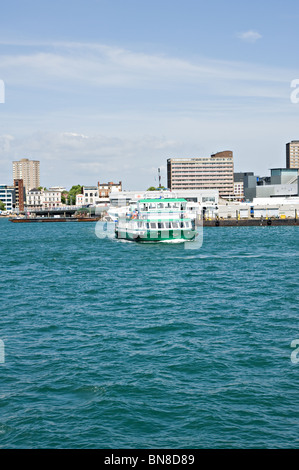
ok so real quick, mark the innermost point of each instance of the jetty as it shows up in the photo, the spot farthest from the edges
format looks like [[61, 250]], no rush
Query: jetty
[[254, 222]]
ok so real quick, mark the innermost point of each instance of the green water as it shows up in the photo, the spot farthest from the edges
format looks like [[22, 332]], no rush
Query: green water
[[112, 344]]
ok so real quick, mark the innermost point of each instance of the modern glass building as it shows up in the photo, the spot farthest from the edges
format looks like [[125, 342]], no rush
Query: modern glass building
[[7, 196]]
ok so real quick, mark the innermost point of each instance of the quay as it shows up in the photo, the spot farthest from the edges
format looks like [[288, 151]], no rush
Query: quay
[[58, 214], [252, 222], [53, 219], [230, 222]]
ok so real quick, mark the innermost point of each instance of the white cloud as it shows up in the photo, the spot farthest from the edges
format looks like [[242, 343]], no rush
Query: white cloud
[[107, 113], [249, 36], [80, 67], [68, 158]]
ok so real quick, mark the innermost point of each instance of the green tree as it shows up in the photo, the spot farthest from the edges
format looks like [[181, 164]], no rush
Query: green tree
[[152, 188], [71, 199], [2, 206]]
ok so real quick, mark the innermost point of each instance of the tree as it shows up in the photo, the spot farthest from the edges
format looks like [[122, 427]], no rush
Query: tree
[[152, 188], [2, 206], [77, 189]]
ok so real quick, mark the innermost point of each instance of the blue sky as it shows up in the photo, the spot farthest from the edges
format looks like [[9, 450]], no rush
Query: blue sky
[[103, 90]]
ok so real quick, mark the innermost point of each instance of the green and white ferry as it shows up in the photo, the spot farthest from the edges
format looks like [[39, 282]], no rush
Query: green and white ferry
[[156, 220]]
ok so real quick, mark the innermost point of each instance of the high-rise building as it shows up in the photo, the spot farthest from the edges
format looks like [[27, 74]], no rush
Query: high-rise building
[[28, 171], [215, 172], [292, 154]]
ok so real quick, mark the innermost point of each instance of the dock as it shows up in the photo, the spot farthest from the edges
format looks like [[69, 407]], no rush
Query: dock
[[52, 219], [252, 222]]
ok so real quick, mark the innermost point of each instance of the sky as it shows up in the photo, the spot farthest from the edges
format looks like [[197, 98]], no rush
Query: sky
[[108, 90]]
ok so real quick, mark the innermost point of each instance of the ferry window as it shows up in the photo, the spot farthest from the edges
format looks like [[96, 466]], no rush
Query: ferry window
[[153, 225], [167, 225], [175, 224], [160, 225], [160, 205], [182, 224], [176, 205], [152, 205], [147, 225]]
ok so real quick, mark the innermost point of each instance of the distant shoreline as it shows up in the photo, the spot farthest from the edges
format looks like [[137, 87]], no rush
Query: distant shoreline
[[231, 222]]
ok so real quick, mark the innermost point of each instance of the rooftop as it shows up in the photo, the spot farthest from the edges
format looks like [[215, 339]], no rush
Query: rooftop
[[164, 200]]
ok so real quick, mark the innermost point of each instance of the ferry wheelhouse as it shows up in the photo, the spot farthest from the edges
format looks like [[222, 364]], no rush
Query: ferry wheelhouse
[[156, 220]]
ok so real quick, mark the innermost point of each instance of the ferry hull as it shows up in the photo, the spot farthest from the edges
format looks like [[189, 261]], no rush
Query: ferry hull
[[158, 236]]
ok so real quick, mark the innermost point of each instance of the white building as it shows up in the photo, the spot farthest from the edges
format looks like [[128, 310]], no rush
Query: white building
[[203, 196], [62, 189], [79, 199], [98, 195], [90, 194], [43, 198], [52, 198]]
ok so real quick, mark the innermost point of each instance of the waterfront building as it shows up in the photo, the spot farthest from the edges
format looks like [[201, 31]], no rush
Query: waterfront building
[[283, 182], [79, 199], [203, 197], [215, 172], [284, 175], [90, 193], [43, 198], [28, 171], [292, 154], [105, 188], [20, 195], [7, 196], [95, 195], [52, 198], [34, 198]]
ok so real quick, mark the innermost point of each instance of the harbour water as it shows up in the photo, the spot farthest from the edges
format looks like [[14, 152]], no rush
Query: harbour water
[[112, 344]]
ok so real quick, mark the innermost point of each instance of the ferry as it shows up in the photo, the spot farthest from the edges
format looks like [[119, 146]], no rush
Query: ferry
[[156, 220]]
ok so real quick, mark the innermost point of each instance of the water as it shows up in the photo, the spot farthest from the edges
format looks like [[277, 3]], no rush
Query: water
[[112, 344]]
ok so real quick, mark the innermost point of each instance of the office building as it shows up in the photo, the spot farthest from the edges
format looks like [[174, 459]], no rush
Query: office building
[[28, 171], [215, 172]]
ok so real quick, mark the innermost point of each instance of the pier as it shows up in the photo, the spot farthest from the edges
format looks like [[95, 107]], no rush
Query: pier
[[253, 222]]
